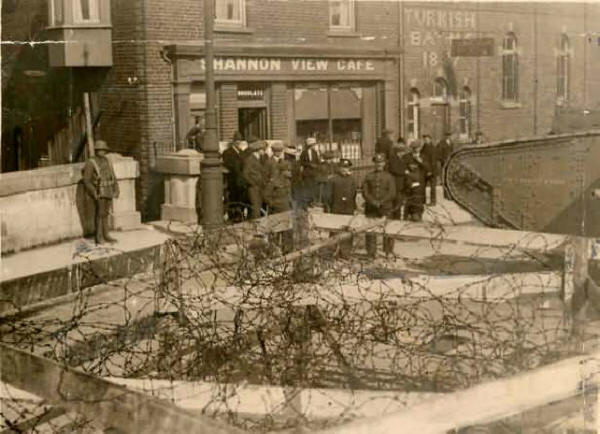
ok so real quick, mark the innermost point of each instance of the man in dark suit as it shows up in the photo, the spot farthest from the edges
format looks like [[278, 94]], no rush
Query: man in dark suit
[[384, 144], [396, 167], [254, 175], [343, 199], [445, 149], [310, 161], [233, 160], [416, 170], [429, 154]]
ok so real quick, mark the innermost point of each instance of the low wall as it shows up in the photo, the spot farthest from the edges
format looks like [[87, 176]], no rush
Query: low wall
[[50, 204]]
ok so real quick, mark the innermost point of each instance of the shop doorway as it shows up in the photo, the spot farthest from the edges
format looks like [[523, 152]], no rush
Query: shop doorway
[[253, 122], [441, 121]]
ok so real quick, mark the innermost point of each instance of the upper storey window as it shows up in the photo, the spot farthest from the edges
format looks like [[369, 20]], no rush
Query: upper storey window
[[510, 68], [341, 15], [230, 12]]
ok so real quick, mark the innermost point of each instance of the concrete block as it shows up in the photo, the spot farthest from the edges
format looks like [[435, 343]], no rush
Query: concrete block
[[125, 221], [178, 213]]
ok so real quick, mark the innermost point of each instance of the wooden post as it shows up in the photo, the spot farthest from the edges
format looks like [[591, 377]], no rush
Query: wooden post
[[575, 275], [88, 124]]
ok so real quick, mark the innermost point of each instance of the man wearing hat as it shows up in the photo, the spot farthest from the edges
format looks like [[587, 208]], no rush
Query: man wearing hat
[[237, 187], [277, 194], [416, 170], [310, 161], [327, 172], [101, 184], [445, 149], [379, 191], [195, 136], [343, 198], [396, 167], [429, 153], [253, 172], [384, 144]]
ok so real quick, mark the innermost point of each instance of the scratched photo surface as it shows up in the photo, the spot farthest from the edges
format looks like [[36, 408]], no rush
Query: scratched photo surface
[[298, 216]]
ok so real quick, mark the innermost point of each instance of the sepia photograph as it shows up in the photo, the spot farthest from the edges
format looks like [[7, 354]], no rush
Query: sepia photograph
[[300, 216]]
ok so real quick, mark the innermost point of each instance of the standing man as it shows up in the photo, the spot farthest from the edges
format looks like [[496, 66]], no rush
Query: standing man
[[384, 144], [278, 192], [195, 136], [101, 184], [327, 172], [379, 190], [310, 161], [414, 182], [430, 158], [479, 138], [237, 187], [445, 149], [253, 174], [343, 199], [397, 168]]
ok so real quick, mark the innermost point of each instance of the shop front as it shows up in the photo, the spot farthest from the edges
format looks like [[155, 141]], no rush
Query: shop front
[[342, 98]]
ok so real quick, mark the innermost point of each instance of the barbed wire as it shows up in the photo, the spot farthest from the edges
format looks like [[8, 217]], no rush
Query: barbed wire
[[227, 311]]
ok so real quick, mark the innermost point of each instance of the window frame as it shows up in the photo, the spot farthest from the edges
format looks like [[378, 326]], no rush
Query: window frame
[[563, 62], [347, 28], [413, 117], [464, 113], [440, 83], [94, 12], [510, 79], [224, 22]]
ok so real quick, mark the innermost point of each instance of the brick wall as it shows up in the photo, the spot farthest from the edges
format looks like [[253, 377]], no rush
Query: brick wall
[[228, 116], [279, 120]]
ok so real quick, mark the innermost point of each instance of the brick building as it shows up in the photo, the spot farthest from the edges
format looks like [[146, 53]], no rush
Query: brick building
[[343, 70]]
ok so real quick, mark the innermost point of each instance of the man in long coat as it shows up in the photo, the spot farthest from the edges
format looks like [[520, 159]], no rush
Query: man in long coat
[[254, 175], [416, 170], [233, 160], [429, 154]]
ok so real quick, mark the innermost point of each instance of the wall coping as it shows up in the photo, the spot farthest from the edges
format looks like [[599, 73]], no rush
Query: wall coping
[[62, 175]]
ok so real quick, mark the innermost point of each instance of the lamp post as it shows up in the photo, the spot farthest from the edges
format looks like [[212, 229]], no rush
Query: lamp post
[[211, 173]]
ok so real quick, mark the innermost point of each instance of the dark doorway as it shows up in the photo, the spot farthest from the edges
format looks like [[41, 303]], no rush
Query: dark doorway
[[441, 120], [253, 122]]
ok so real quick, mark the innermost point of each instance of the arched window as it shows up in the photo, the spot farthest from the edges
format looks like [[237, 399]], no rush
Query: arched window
[[562, 73], [464, 112], [413, 114], [440, 89], [510, 68]]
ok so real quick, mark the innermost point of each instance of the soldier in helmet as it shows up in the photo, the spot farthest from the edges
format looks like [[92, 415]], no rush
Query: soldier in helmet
[[278, 192], [101, 184], [343, 198], [416, 170], [379, 191]]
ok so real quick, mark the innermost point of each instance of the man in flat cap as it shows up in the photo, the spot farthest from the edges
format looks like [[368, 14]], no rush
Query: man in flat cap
[[277, 193], [379, 191], [101, 184], [254, 175]]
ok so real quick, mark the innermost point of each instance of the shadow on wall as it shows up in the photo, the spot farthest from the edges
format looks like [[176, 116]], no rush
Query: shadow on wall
[[85, 209]]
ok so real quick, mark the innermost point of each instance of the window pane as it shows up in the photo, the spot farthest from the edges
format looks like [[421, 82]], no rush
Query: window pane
[[228, 10], [85, 9], [340, 13], [58, 11]]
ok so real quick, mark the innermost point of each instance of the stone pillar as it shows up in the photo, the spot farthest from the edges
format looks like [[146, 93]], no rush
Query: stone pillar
[[124, 215], [181, 95], [182, 171]]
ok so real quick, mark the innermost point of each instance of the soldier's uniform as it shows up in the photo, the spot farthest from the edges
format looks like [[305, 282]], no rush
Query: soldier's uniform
[[327, 172], [379, 191], [397, 169], [414, 184], [101, 184], [253, 173], [343, 199]]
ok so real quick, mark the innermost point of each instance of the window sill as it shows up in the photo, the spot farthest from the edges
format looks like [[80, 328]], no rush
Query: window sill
[[510, 104], [228, 28], [343, 34]]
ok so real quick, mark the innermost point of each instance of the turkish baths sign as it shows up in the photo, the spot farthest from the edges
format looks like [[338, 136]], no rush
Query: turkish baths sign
[[297, 65]]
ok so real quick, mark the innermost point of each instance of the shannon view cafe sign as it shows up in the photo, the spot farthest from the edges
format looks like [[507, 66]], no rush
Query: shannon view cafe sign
[[246, 65]]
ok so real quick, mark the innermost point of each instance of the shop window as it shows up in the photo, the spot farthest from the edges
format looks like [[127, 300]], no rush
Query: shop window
[[341, 15], [562, 76], [230, 12], [332, 115], [464, 113], [86, 11], [413, 114], [510, 68]]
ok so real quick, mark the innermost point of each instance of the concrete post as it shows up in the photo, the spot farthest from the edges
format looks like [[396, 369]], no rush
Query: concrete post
[[124, 215], [182, 171]]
